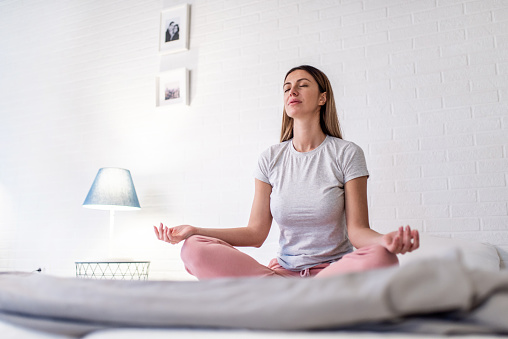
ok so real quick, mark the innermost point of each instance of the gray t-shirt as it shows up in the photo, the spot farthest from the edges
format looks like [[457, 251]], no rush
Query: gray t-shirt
[[307, 199]]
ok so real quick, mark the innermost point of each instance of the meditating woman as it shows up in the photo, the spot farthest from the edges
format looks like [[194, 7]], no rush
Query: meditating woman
[[314, 184]]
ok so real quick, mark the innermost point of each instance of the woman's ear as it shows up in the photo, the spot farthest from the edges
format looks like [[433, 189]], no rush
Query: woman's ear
[[322, 98]]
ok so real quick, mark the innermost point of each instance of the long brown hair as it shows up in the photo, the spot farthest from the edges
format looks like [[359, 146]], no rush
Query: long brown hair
[[328, 119]]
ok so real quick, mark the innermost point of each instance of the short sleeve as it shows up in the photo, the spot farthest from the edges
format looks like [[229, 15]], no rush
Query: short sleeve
[[261, 171], [353, 162]]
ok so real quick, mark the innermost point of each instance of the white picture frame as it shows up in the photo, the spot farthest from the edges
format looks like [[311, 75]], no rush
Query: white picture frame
[[174, 29], [173, 88]]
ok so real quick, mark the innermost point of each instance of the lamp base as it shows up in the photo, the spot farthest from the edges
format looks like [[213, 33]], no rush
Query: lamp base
[[111, 230]]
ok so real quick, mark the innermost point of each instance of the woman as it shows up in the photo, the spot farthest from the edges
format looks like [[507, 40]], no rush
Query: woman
[[311, 183]]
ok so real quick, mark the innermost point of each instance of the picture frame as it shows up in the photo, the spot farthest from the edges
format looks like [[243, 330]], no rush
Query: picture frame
[[173, 88], [174, 29]]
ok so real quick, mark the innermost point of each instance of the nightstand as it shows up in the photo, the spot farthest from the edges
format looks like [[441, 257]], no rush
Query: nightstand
[[119, 270]]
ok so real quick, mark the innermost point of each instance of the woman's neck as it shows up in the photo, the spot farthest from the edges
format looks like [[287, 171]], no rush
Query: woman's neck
[[307, 137]]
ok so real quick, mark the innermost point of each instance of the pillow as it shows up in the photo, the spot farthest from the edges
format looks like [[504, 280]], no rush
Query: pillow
[[472, 254]]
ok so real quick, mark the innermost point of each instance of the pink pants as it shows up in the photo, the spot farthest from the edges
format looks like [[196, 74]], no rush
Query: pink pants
[[206, 257]]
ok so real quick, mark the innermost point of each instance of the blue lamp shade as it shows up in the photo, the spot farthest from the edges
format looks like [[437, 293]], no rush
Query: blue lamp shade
[[112, 189]]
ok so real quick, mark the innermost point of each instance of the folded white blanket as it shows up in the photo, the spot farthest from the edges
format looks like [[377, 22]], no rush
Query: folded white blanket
[[424, 296]]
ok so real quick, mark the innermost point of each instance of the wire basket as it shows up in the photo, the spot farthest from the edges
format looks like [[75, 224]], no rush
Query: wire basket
[[118, 270]]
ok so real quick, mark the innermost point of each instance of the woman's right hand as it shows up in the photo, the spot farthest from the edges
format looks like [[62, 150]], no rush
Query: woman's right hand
[[175, 234]]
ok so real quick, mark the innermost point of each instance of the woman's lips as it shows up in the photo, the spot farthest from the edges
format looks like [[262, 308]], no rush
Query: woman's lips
[[294, 102]]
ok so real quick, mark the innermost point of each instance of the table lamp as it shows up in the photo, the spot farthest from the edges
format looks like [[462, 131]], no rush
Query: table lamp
[[112, 190]]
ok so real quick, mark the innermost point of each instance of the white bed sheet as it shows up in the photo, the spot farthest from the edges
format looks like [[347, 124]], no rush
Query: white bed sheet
[[472, 254], [9, 331]]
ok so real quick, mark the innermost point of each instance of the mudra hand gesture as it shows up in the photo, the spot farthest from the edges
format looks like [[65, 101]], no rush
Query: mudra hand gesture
[[173, 235], [402, 241]]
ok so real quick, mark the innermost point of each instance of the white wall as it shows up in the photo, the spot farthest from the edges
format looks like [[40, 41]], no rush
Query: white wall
[[421, 86]]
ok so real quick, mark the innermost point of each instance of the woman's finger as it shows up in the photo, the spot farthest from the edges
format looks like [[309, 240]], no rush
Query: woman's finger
[[170, 235], [157, 232], [161, 229], [406, 240], [400, 243], [416, 240], [165, 233], [403, 240]]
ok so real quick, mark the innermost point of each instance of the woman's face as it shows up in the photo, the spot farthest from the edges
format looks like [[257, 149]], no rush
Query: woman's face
[[301, 94]]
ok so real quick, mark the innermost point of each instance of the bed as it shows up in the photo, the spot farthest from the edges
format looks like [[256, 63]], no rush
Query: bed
[[448, 286]]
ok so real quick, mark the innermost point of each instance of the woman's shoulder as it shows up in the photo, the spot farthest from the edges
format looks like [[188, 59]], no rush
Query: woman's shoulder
[[342, 144], [276, 148]]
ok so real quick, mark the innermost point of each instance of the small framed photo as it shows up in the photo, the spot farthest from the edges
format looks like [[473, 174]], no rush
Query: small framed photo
[[174, 29], [173, 87]]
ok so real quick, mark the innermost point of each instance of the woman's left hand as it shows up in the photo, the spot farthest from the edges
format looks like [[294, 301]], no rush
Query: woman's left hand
[[402, 241]]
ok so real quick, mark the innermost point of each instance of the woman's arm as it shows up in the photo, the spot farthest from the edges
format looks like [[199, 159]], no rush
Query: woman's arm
[[357, 220], [254, 234]]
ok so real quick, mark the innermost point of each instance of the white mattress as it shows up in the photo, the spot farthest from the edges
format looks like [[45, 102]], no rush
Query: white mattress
[[474, 255]]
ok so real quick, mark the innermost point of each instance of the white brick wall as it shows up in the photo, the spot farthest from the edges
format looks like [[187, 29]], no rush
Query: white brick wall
[[421, 86]]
